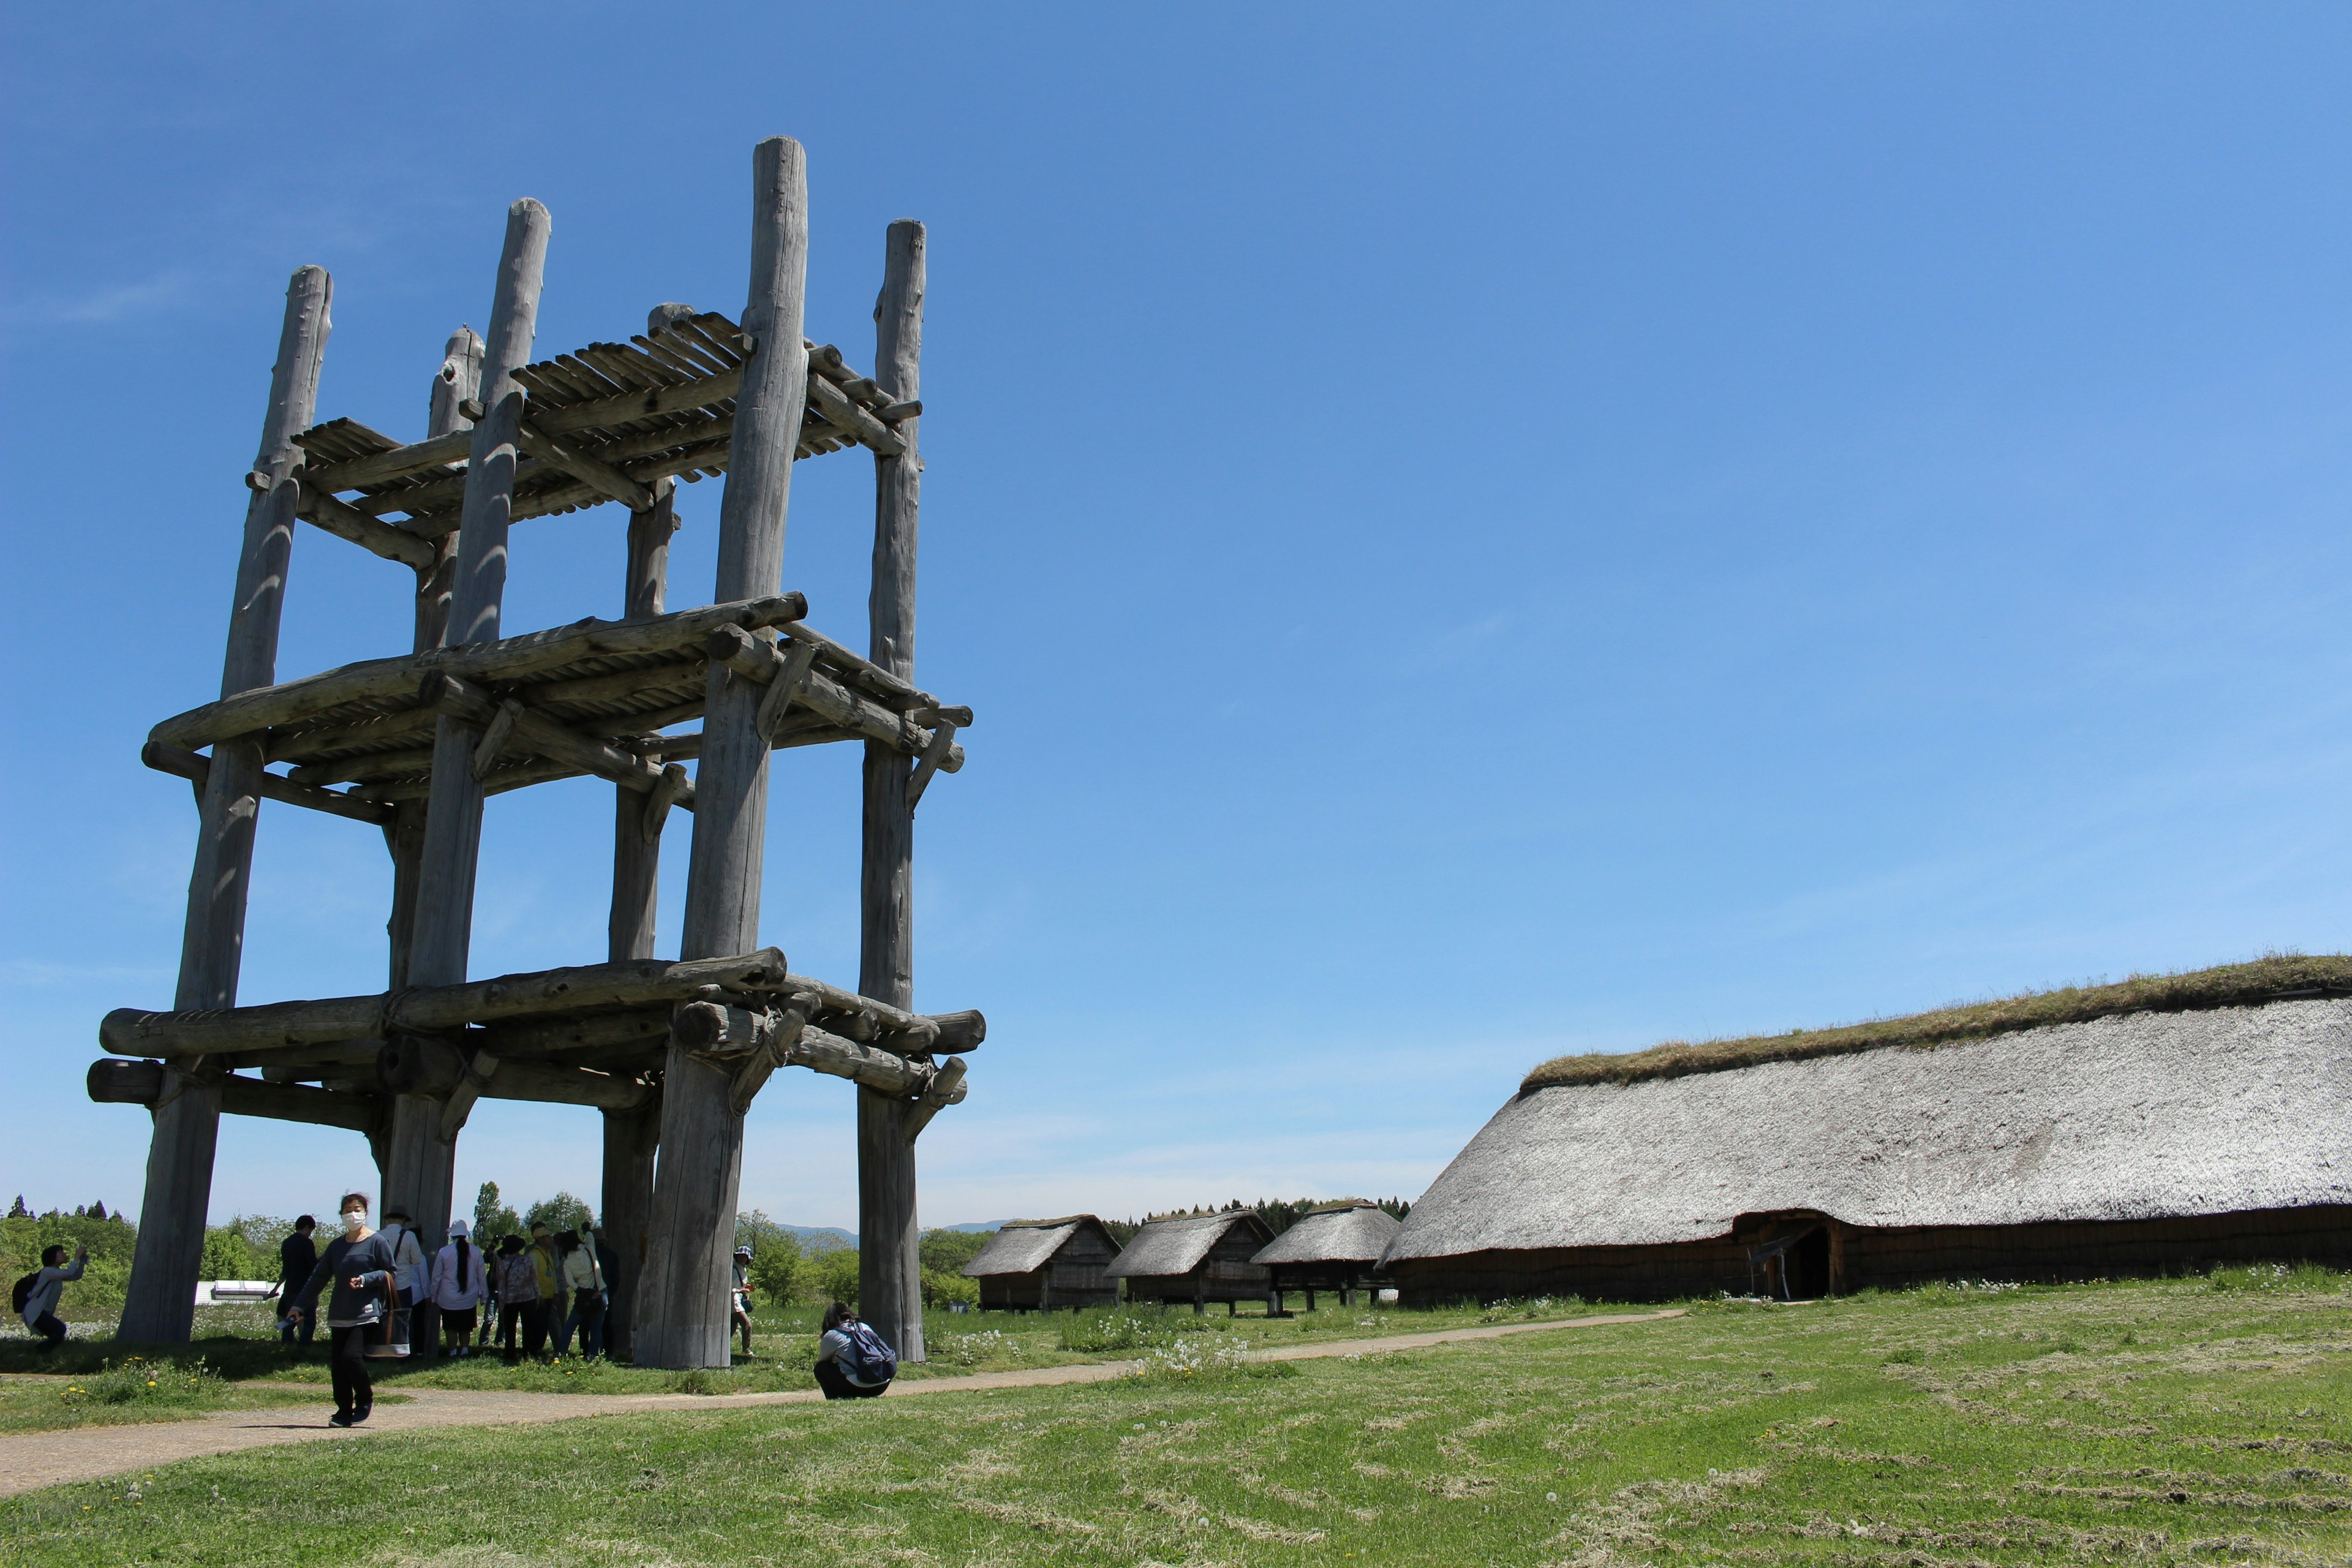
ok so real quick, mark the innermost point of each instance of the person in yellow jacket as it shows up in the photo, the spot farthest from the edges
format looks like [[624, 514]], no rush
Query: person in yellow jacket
[[541, 1318]]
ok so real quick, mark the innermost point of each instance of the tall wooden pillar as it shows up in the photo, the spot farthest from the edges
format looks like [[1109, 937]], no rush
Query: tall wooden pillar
[[682, 1318], [421, 1163], [159, 1307], [889, 1262], [631, 1137], [455, 383]]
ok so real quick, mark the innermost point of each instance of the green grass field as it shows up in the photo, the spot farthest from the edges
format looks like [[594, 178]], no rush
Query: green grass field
[[239, 1360], [2185, 1421]]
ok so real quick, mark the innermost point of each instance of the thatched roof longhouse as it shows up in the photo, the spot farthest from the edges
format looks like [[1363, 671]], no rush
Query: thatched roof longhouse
[[2140, 1117], [1026, 1245]]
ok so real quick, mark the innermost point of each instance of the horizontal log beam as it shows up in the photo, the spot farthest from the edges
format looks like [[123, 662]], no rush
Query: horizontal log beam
[[504, 662], [423, 456], [435, 1009], [116, 1082], [840, 410], [394, 543], [622, 407], [593, 472], [198, 769], [720, 1033], [432, 1067], [539, 734], [758, 661]]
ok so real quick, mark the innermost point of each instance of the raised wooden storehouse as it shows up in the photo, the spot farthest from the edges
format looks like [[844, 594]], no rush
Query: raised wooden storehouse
[[2164, 1124], [1199, 1258], [1041, 1264], [1335, 1248]]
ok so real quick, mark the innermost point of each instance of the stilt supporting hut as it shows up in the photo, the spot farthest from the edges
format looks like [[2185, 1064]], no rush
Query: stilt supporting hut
[[1336, 1246], [671, 1051], [1037, 1264], [1198, 1258]]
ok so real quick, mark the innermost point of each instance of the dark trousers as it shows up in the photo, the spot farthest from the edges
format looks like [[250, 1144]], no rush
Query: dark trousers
[[536, 1318], [587, 1315], [511, 1318], [836, 1385], [347, 1364], [306, 1323], [50, 1329]]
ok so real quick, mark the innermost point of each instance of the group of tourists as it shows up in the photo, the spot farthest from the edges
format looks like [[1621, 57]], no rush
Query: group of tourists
[[551, 1286]]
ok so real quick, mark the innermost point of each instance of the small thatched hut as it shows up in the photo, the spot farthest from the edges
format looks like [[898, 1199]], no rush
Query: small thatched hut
[[2164, 1124], [1041, 1264], [1199, 1258], [1336, 1246]]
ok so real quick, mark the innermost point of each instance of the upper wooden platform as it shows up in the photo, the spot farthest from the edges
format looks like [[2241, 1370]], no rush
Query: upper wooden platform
[[602, 423]]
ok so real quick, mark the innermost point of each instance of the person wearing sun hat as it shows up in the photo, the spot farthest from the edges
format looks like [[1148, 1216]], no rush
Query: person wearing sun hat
[[740, 1296], [460, 1280]]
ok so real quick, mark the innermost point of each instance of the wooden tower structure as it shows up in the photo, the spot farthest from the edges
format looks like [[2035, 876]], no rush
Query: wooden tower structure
[[670, 1050]]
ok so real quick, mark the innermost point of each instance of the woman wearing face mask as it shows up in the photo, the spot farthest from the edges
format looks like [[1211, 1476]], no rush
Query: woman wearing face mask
[[361, 1264]]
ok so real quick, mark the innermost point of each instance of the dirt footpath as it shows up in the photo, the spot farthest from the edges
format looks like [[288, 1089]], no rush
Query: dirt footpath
[[89, 1453]]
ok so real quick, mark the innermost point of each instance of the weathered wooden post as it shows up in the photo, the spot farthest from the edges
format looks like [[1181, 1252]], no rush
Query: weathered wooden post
[[682, 1320], [458, 382], [890, 1263], [421, 1161], [160, 1306], [631, 1137]]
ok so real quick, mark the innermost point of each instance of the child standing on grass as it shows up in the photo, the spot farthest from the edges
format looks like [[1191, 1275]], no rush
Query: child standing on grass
[[361, 1264], [40, 1313]]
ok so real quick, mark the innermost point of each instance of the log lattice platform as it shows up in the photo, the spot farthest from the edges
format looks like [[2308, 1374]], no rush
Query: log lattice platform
[[586, 700], [602, 423]]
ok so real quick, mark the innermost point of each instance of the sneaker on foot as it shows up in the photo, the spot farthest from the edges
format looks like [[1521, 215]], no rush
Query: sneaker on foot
[[338, 1419]]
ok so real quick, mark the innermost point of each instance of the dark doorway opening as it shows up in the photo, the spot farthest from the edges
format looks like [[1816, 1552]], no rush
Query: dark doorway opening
[[1806, 1263]]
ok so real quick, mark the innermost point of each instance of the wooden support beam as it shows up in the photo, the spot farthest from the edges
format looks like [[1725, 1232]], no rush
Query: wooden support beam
[[945, 1090], [441, 450], [534, 1038], [787, 684], [672, 787], [761, 664], [506, 662], [890, 1260], [683, 1318], [622, 407], [839, 409], [159, 1304], [471, 1085], [183, 763], [494, 735], [117, 1082], [430, 1068], [471, 707], [438, 1009], [598, 475], [942, 742], [730, 1036], [394, 543]]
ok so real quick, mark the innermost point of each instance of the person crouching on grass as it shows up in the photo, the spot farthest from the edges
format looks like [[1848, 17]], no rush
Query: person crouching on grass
[[361, 1264], [852, 1361]]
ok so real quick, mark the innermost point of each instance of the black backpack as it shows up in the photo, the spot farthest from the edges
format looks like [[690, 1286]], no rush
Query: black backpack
[[870, 1360], [22, 1292]]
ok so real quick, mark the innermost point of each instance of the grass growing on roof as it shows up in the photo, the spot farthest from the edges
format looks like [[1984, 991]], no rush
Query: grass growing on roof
[[2167, 1422], [2229, 984]]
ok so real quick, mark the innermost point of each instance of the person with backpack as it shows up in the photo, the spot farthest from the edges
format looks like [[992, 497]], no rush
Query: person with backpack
[[35, 1298], [361, 1266], [738, 1296], [583, 1283], [460, 1282], [297, 1255], [852, 1361]]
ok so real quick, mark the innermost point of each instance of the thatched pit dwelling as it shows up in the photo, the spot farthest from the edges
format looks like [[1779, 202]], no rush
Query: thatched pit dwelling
[[2166, 1124], [1336, 1247], [1041, 1264], [1200, 1259]]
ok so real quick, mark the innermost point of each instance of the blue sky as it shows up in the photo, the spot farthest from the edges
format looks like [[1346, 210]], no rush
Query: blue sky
[[1471, 534]]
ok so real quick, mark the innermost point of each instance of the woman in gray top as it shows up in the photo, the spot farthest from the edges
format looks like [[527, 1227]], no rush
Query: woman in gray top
[[361, 1264]]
